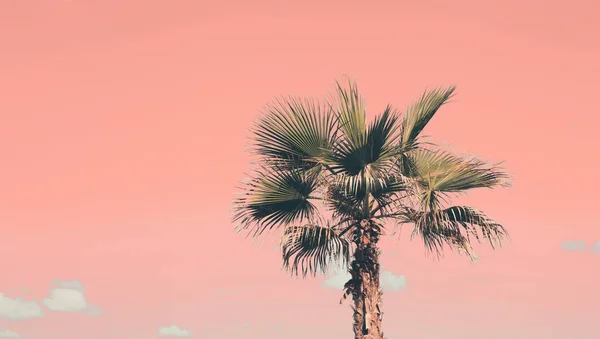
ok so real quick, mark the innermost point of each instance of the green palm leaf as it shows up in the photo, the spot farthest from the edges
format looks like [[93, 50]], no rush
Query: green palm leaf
[[313, 249], [391, 189], [276, 197], [377, 150], [344, 200], [440, 171], [351, 113], [455, 226], [418, 115], [295, 133]]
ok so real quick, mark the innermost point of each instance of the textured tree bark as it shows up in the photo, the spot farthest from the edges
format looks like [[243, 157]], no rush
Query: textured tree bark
[[364, 285]]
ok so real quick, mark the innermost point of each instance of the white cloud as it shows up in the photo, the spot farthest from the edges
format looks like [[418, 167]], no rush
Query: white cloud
[[66, 300], [72, 284], [173, 331], [388, 281], [4, 333], [573, 245], [337, 280], [391, 282], [19, 308], [69, 297], [596, 247]]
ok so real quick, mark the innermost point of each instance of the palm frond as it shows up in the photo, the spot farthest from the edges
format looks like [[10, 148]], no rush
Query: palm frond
[[377, 150], [344, 202], [274, 197], [477, 221], [418, 115], [390, 190], [382, 138], [312, 249], [440, 171], [454, 226], [295, 133], [351, 112], [346, 194]]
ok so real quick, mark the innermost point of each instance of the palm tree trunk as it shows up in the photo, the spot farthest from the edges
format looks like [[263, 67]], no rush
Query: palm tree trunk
[[364, 285]]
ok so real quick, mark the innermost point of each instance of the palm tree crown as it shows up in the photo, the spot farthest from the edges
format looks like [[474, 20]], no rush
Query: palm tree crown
[[326, 176]]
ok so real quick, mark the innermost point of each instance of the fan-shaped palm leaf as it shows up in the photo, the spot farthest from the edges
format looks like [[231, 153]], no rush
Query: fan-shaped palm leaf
[[391, 190], [443, 172], [420, 113], [295, 133], [351, 113], [313, 249], [377, 150], [454, 226], [276, 197], [343, 202]]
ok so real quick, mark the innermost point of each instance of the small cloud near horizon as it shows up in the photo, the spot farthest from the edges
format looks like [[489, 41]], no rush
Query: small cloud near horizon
[[69, 297], [573, 245], [19, 308], [391, 282], [596, 247], [4, 333], [173, 331], [388, 280]]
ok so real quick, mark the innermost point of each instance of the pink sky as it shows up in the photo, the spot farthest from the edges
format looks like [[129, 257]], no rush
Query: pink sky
[[122, 135]]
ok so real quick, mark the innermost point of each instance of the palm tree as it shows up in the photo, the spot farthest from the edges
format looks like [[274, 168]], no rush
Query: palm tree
[[334, 183]]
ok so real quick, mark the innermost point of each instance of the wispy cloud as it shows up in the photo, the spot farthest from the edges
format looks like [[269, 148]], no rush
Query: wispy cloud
[[337, 280], [573, 245], [19, 308], [4, 333], [388, 280], [596, 247], [580, 245], [173, 331], [392, 282], [69, 296]]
